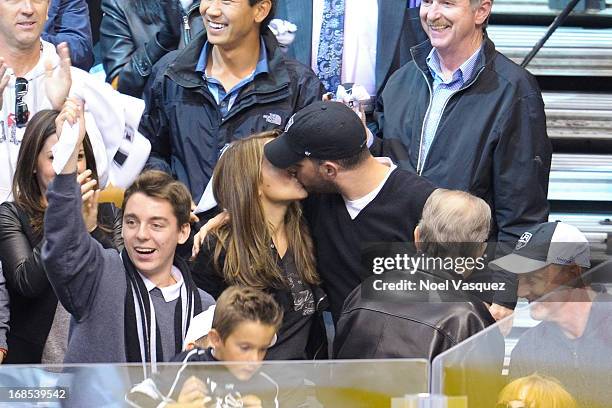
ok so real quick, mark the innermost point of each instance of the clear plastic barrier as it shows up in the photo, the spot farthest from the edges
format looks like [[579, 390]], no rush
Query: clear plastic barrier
[[564, 337], [365, 383]]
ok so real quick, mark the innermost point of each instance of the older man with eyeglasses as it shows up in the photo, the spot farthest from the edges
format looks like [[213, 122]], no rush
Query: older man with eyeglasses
[[34, 75]]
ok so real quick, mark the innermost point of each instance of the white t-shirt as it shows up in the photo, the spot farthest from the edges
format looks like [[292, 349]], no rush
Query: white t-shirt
[[354, 207], [169, 292], [186, 4], [111, 120]]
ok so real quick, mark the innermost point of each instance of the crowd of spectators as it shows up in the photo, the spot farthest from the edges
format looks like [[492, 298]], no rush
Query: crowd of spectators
[[215, 122]]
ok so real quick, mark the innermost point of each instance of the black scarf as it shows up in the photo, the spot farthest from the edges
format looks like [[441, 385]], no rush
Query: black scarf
[[136, 287]]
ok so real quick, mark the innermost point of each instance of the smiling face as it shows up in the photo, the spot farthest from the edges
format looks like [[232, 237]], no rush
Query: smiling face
[[248, 342], [549, 282], [454, 27], [22, 22], [230, 23], [151, 234]]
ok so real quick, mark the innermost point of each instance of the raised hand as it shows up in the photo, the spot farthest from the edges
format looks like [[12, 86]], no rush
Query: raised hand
[[58, 80], [90, 196], [72, 111], [3, 79], [218, 220]]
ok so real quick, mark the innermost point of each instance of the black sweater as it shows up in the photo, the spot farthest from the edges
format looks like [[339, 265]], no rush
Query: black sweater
[[390, 217]]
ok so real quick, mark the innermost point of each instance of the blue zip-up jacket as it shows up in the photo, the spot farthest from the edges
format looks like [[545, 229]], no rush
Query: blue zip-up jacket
[[185, 125], [491, 140]]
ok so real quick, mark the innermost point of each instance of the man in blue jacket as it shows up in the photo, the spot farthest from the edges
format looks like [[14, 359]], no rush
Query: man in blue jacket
[[230, 81], [467, 118], [68, 21]]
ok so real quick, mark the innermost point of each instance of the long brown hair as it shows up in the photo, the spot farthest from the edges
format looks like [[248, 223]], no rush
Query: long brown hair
[[26, 191], [246, 238]]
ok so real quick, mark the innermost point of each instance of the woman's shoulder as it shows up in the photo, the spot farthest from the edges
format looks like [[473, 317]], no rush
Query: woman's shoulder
[[8, 206], [11, 213]]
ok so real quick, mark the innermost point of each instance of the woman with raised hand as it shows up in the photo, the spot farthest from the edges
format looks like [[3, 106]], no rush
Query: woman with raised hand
[[265, 245], [39, 324]]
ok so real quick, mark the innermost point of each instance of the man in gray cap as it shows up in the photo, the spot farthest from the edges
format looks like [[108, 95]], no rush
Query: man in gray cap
[[574, 341]]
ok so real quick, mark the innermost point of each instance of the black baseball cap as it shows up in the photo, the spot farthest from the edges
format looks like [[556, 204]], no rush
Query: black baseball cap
[[322, 130]]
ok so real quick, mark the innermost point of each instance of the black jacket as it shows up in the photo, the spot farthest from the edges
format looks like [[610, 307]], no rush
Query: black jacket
[[184, 123], [32, 300], [491, 140], [128, 45], [415, 323]]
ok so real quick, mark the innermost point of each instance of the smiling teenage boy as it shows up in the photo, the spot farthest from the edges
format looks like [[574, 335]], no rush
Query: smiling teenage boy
[[130, 307]]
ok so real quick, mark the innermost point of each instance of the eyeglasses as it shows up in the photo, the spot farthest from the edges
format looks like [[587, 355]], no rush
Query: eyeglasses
[[22, 114]]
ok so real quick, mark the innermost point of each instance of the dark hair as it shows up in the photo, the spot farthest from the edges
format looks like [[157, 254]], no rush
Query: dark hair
[[149, 11], [238, 304], [270, 16], [351, 162], [26, 191], [157, 184]]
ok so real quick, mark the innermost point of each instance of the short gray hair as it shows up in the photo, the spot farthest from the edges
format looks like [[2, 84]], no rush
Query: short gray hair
[[452, 217], [475, 3]]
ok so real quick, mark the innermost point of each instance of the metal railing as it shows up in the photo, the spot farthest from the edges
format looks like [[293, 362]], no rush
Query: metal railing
[[570, 51]]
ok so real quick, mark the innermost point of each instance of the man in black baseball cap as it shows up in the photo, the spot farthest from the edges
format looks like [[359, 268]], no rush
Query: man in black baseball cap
[[369, 199], [322, 141], [322, 130]]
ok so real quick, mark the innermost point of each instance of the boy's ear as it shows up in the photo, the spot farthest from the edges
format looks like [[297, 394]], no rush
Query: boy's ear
[[184, 231], [214, 338], [190, 346]]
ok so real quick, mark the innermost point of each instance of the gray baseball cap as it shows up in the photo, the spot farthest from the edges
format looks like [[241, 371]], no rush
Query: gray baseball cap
[[545, 244]]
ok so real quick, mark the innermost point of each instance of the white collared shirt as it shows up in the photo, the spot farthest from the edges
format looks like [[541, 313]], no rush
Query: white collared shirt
[[360, 39], [354, 207], [171, 292]]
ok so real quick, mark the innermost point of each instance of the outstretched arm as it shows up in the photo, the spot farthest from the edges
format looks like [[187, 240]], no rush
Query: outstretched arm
[[73, 260]]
